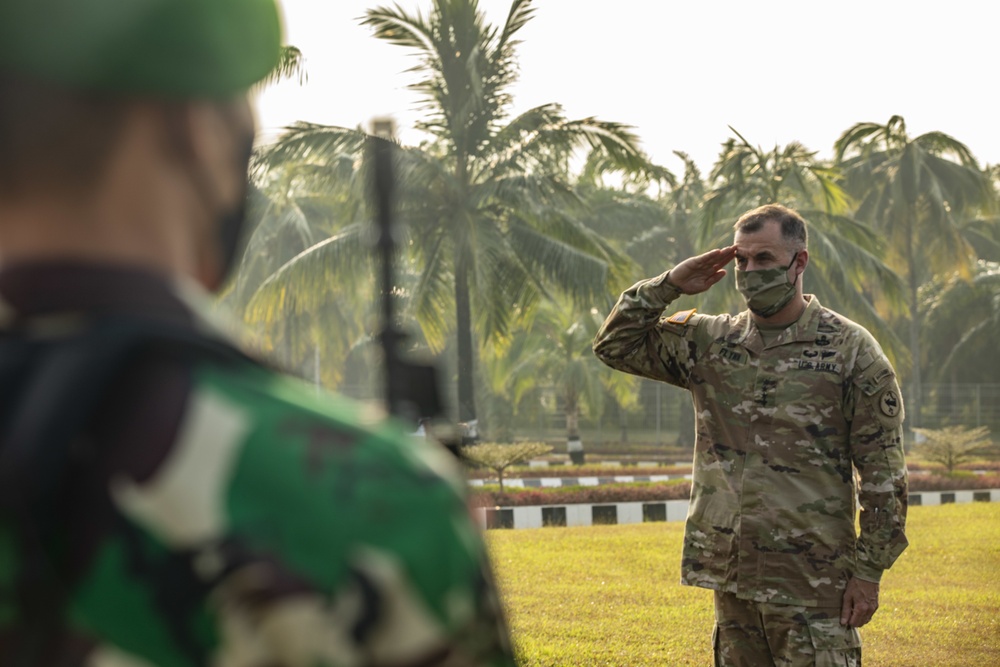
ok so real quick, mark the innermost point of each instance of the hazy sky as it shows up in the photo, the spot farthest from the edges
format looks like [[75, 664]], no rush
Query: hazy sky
[[682, 72]]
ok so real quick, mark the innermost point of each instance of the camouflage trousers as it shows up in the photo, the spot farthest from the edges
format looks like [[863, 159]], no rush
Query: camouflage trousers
[[757, 634]]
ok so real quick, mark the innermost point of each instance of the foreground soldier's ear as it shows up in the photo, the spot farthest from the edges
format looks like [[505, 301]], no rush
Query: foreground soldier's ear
[[206, 139]]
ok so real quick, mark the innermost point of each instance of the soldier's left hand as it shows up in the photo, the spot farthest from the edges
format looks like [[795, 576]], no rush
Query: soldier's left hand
[[860, 602]]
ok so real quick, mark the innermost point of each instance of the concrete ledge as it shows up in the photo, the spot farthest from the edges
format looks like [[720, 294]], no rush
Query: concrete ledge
[[918, 498], [535, 516], [586, 514]]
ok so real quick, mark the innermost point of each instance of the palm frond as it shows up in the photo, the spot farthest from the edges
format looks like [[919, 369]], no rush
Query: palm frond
[[307, 280], [291, 64], [397, 27], [306, 142]]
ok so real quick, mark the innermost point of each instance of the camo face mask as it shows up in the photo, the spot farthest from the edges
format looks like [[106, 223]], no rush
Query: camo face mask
[[766, 291]]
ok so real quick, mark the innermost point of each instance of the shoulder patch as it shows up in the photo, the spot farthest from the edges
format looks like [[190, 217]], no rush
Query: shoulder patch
[[681, 316], [865, 359], [875, 376], [889, 402]]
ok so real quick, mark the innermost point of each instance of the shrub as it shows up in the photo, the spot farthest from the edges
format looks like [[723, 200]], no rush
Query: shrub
[[498, 457], [952, 445]]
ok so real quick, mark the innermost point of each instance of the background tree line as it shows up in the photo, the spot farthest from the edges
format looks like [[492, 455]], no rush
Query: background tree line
[[518, 233]]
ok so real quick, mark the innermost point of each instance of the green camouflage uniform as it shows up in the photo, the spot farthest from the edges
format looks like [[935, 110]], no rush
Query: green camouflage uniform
[[781, 430], [221, 513], [209, 511]]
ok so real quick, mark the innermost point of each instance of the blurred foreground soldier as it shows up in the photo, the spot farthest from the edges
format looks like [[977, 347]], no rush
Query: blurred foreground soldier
[[164, 500], [791, 399]]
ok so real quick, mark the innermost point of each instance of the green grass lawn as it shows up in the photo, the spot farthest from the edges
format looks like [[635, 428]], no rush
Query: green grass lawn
[[609, 595]]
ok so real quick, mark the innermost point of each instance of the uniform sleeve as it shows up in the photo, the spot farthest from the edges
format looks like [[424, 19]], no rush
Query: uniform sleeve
[[633, 338], [404, 579], [876, 441], [281, 530]]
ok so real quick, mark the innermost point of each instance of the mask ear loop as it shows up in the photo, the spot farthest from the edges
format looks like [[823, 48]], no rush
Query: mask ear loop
[[792, 263], [229, 224]]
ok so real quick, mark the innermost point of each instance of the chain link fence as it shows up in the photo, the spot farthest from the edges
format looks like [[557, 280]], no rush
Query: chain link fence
[[664, 415]]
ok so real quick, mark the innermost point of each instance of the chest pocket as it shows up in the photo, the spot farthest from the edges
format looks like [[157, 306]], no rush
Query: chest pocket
[[725, 376], [810, 389]]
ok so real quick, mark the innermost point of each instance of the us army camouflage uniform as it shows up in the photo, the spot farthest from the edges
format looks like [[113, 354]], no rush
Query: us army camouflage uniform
[[781, 430], [222, 514], [758, 634]]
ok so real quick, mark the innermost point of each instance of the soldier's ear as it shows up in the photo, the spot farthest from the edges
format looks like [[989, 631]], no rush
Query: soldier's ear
[[801, 262]]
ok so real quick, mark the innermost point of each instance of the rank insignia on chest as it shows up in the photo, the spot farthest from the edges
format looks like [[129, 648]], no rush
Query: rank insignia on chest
[[681, 316]]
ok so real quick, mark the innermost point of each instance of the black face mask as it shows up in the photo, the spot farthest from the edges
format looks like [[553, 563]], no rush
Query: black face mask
[[231, 223]]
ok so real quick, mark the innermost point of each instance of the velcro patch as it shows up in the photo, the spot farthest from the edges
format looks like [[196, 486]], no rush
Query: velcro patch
[[875, 377], [823, 366], [889, 403], [681, 316], [822, 355]]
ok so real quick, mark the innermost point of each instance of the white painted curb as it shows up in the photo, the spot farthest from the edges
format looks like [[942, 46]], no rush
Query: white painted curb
[[586, 514]]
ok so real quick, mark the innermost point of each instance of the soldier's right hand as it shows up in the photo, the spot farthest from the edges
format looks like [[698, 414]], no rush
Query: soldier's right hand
[[696, 274]]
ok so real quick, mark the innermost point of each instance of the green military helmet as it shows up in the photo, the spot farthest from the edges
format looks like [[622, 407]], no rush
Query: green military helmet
[[163, 48]]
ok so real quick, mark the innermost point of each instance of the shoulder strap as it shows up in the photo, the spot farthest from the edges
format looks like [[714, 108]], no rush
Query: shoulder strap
[[65, 385], [59, 385]]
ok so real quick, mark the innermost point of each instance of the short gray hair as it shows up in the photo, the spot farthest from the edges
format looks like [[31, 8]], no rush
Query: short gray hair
[[793, 227]]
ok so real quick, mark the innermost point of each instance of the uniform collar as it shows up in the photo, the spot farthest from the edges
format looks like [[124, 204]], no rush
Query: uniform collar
[[74, 291], [803, 329]]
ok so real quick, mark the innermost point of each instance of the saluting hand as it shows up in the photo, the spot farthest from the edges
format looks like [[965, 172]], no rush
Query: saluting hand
[[696, 274]]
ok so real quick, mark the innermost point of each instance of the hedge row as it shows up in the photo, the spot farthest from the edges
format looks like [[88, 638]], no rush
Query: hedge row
[[571, 495], [520, 472], [523, 472], [959, 482], [627, 492]]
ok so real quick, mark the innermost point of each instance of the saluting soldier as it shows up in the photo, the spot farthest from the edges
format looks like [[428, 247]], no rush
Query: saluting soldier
[[166, 500], [798, 414]]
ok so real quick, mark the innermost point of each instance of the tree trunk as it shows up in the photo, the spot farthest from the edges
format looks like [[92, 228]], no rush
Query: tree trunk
[[574, 446], [463, 333], [916, 385], [463, 307]]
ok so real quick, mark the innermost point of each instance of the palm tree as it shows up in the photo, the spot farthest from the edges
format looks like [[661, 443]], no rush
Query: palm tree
[[746, 176], [916, 191], [553, 350], [630, 211], [655, 223], [568, 362], [961, 317], [848, 273], [489, 210], [300, 209]]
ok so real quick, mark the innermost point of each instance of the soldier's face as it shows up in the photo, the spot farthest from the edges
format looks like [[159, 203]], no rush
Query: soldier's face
[[763, 249]]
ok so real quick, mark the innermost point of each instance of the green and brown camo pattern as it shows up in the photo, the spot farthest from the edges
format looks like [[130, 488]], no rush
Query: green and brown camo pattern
[[285, 530]]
